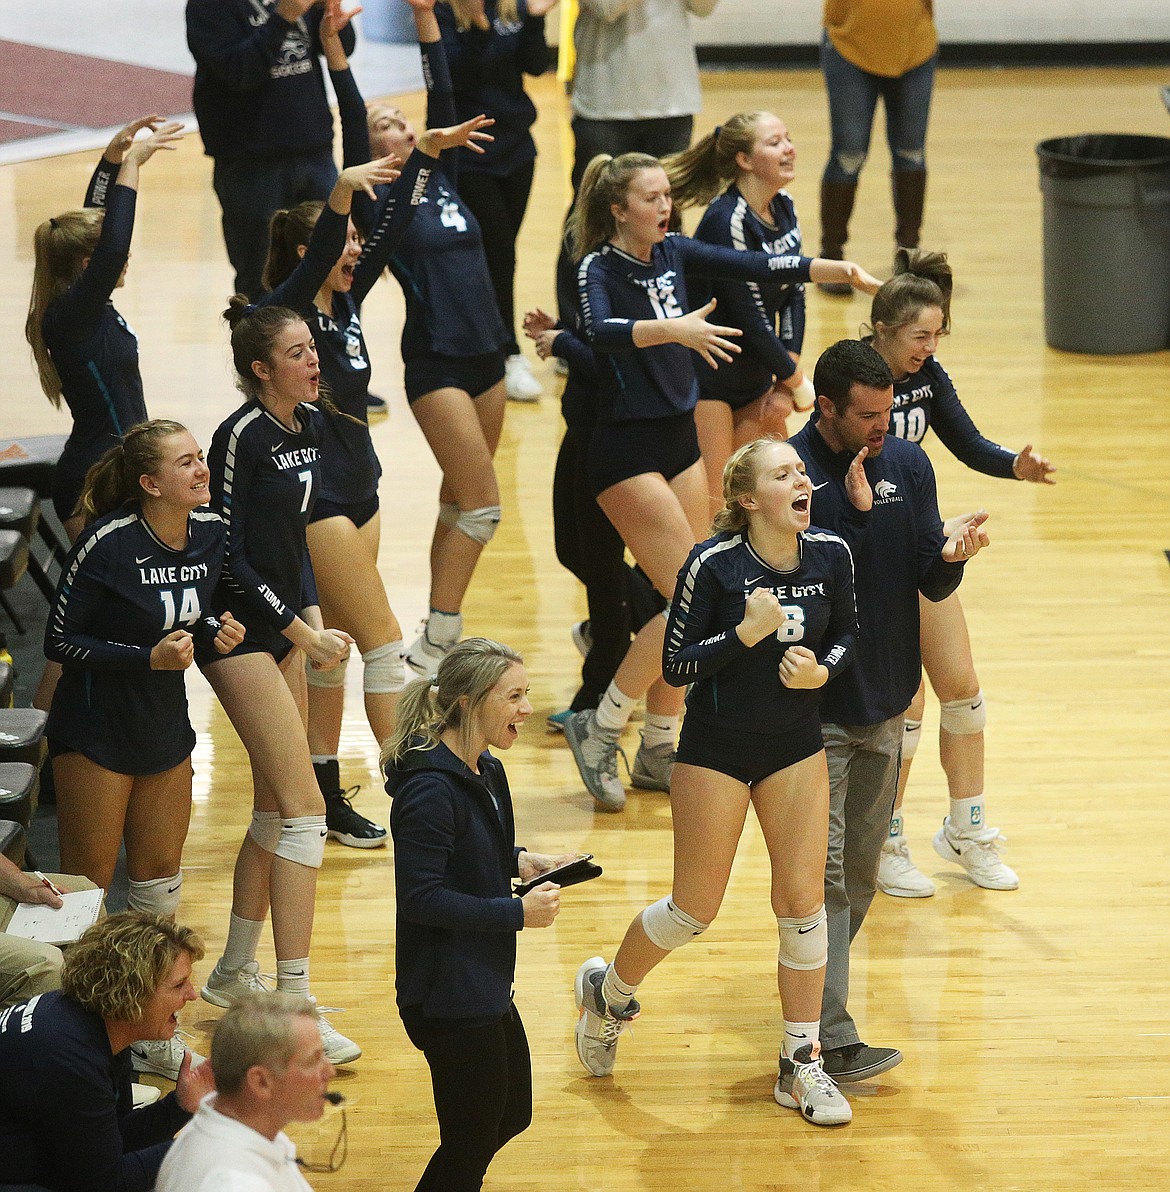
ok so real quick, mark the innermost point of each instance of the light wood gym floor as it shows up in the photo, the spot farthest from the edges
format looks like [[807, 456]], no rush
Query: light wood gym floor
[[1035, 1024]]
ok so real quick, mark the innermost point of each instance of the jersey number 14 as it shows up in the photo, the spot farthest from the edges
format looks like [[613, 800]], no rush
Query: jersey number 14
[[188, 613]]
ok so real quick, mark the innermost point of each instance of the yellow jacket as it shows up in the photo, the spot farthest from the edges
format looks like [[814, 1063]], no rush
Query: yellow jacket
[[883, 37]]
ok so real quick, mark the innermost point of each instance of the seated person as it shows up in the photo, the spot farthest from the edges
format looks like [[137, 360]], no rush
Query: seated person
[[270, 1069], [26, 966], [66, 1118]]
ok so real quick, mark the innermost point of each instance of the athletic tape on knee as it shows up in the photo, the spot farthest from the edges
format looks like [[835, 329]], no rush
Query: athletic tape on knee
[[385, 672], [159, 896], [668, 927], [479, 524], [911, 735], [334, 677], [265, 829], [964, 716], [804, 942], [302, 839], [448, 514]]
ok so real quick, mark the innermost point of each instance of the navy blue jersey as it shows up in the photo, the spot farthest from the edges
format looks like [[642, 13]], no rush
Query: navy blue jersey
[[67, 1119], [349, 464], [770, 314], [738, 686], [579, 398], [927, 398], [450, 303], [265, 479], [259, 89], [616, 290], [487, 71], [897, 552], [122, 591], [95, 353]]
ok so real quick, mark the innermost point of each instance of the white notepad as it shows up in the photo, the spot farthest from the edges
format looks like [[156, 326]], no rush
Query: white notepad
[[63, 926]]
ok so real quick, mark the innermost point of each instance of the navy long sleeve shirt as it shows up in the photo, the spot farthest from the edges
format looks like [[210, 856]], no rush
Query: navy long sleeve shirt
[[770, 314], [66, 1111], [617, 290], [737, 685], [259, 88], [897, 553]]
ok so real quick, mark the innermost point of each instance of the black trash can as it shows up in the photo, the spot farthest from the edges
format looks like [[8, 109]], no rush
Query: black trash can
[[1106, 243]]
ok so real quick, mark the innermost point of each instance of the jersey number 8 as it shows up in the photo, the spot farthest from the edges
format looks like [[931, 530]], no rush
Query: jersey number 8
[[793, 628]]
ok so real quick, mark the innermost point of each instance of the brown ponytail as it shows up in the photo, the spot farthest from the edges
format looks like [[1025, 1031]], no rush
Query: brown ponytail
[[605, 183], [709, 166], [113, 480], [60, 245], [288, 230], [920, 279]]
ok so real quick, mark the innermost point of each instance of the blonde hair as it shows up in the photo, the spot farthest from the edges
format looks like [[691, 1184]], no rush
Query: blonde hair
[[605, 183], [921, 279], [740, 476], [256, 1032], [119, 963], [430, 706], [60, 245], [113, 480], [706, 169], [508, 11]]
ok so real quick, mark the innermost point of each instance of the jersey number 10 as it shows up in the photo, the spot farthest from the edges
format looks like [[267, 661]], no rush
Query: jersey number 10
[[189, 610]]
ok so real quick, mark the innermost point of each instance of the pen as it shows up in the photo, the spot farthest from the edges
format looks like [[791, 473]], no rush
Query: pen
[[45, 882]]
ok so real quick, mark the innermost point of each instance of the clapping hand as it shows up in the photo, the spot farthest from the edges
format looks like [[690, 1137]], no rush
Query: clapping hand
[[857, 487], [966, 538], [1032, 467]]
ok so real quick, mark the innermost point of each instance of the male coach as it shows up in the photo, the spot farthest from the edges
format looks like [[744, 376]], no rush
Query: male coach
[[878, 493]]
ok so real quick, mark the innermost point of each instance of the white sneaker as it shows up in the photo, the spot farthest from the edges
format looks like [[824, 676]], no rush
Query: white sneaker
[[804, 1084], [978, 855], [598, 1027], [163, 1057], [338, 1049], [225, 986], [582, 635], [897, 874], [424, 656], [519, 381]]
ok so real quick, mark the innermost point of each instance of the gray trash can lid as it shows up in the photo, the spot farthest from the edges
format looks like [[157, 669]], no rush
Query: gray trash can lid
[[1101, 153]]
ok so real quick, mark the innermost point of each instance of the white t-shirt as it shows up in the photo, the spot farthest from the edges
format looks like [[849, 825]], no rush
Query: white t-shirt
[[215, 1153]]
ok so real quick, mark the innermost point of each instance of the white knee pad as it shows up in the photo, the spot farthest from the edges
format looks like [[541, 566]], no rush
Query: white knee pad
[[159, 896], [448, 514], [911, 735], [334, 677], [302, 839], [479, 524], [804, 942], [668, 927], [265, 829], [385, 672], [964, 716]]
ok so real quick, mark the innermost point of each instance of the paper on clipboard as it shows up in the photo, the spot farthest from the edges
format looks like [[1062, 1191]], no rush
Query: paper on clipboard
[[60, 926]]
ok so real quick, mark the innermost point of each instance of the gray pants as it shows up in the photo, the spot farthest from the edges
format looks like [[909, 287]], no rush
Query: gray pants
[[863, 780]]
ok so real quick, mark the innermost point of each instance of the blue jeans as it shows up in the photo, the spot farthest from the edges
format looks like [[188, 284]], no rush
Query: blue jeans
[[853, 97]]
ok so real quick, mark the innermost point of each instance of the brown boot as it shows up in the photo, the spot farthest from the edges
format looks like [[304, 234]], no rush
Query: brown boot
[[909, 200], [836, 208]]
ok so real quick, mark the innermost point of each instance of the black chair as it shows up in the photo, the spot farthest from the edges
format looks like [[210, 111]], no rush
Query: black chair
[[13, 564], [20, 510], [12, 842], [22, 735], [30, 462], [18, 792]]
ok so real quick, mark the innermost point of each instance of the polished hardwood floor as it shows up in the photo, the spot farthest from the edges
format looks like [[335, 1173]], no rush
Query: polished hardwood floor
[[1035, 1024]]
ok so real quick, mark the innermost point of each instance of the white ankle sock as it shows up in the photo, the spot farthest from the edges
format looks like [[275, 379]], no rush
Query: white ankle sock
[[798, 1035], [615, 992], [615, 709], [967, 816], [443, 629], [242, 941], [660, 730], [292, 976]]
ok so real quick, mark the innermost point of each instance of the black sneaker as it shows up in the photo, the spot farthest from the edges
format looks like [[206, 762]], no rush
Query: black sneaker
[[858, 1061], [376, 408], [349, 826]]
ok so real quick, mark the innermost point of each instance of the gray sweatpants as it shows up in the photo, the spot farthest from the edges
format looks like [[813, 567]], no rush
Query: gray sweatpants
[[863, 780]]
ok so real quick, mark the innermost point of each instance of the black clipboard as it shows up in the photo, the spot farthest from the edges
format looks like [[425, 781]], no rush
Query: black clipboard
[[572, 874]]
